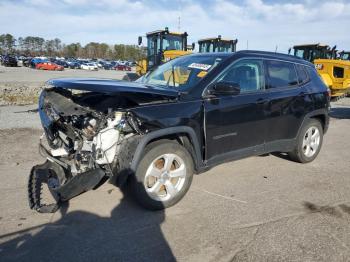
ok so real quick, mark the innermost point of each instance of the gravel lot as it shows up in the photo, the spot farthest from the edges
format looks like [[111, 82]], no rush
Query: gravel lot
[[258, 209], [20, 85]]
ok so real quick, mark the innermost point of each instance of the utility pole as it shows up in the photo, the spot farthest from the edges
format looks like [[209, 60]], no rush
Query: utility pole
[[247, 45], [179, 17]]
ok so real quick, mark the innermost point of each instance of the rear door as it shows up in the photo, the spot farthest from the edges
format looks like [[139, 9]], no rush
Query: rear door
[[286, 108], [234, 123]]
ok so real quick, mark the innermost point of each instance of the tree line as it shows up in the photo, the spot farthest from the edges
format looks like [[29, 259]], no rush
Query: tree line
[[38, 46]]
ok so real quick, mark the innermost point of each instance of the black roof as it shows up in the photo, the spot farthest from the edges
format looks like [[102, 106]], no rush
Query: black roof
[[263, 54], [217, 39], [212, 54]]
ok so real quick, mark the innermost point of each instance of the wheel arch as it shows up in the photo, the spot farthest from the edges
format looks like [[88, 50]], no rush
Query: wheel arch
[[321, 118], [320, 115], [184, 135]]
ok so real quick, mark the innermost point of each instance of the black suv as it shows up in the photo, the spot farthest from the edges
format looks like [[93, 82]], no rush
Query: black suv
[[184, 117], [9, 60]]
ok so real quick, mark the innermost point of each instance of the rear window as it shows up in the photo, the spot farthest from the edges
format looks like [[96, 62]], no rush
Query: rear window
[[303, 76], [281, 74]]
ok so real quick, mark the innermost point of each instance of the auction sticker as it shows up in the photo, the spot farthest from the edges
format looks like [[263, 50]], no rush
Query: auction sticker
[[200, 66]]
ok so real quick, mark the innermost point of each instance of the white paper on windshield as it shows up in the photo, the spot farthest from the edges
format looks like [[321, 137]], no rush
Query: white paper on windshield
[[200, 66]]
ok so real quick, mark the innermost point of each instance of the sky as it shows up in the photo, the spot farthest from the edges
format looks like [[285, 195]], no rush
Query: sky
[[258, 24]]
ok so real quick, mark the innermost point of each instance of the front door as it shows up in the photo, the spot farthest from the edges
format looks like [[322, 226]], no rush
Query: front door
[[237, 123]]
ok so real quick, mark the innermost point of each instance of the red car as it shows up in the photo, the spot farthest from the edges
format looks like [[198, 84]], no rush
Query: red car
[[123, 68], [49, 66]]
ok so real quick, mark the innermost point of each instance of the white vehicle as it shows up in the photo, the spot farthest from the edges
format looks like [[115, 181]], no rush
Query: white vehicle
[[89, 66]]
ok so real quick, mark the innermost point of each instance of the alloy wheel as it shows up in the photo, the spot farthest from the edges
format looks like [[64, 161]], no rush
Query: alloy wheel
[[311, 141], [165, 177]]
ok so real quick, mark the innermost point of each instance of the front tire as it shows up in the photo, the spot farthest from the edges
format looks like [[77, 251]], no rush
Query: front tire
[[309, 142], [163, 175]]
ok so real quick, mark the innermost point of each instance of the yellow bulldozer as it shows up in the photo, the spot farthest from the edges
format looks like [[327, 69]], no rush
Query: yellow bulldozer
[[162, 46], [217, 44], [334, 72]]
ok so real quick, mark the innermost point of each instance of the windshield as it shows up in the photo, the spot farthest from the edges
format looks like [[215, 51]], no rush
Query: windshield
[[209, 46], [224, 47], [206, 47], [304, 54], [345, 56], [312, 53], [183, 72], [172, 42]]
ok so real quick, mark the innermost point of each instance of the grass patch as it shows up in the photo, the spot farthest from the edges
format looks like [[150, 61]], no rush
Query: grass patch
[[13, 99]]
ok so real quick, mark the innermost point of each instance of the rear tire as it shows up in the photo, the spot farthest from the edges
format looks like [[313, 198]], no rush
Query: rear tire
[[309, 142], [163, 175]]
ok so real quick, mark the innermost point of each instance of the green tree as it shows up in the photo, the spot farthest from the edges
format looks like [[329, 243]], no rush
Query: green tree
[[39, 45], [34, 45], [50, 47], [29, 45], [20, 42], [72, 50], [7, 43], [58, 45]]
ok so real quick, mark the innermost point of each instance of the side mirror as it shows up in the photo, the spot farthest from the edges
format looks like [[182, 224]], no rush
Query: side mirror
[[225, 88], [140, 40], [193, 46]]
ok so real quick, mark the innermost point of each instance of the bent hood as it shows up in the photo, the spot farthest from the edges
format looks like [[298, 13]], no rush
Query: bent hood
[[110, 86]]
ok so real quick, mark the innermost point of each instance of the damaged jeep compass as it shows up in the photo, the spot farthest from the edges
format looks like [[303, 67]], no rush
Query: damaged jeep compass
[[184, 117]]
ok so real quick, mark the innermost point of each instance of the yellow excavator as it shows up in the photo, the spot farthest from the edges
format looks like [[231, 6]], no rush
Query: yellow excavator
[[344, 55], [334, 72], [217, 44], [162, 46]]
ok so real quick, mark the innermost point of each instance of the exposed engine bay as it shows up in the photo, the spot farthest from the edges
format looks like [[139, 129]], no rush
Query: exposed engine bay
[[80, 137], [83, 135]]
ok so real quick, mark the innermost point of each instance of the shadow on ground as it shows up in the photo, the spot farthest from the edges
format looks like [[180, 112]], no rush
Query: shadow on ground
[[282, 155], [340, 112], [129, 234], [336, 211]]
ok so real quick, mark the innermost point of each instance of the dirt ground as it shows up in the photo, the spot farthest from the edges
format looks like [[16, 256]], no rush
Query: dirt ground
[[264, 208], [21, 85]]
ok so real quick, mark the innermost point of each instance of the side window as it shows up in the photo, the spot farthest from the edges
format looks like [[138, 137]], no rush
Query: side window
[[303, 76], [338, 72], [247, 73], [281, 74]]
